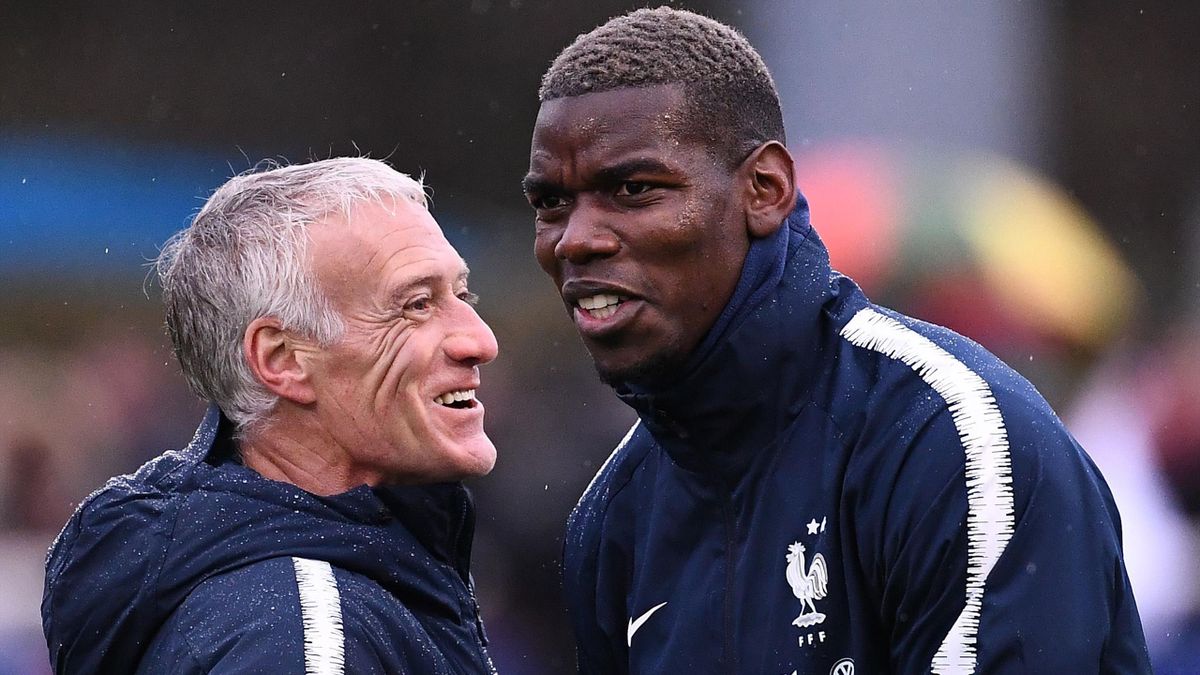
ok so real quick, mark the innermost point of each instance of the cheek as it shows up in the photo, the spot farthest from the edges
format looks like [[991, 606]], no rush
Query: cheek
[[543, 249], [702, 260], [693, 215], [387, 356], [688, 228]]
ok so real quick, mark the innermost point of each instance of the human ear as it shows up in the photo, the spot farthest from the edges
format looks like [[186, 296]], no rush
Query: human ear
[[274, 357], [770, 188]]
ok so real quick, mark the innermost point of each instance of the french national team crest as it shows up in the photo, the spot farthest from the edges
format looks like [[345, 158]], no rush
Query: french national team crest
[[809, 584]]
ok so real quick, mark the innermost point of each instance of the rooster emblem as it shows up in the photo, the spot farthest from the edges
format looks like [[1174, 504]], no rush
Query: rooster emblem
[[808, 584]]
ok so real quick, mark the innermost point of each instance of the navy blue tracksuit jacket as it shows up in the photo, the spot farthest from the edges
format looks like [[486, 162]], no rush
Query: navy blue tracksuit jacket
[[834, 488], [196, 564]]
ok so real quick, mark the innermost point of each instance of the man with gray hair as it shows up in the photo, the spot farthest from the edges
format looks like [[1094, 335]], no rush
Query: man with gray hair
[[317, 522]]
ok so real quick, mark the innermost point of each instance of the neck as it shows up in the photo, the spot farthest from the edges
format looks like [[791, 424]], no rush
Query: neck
[[290, 451]]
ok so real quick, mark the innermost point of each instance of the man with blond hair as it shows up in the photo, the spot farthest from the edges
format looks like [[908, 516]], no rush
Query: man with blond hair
[[816, 484]]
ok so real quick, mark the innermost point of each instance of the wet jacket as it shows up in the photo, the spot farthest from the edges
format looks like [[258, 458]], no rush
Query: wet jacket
[[196, 564], [831, 487]]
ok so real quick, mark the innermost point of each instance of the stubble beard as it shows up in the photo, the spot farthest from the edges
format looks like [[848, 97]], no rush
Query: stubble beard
[[656, 370]]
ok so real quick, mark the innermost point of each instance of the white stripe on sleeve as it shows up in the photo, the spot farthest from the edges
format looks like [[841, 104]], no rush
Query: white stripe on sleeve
[[611, 456], [321, 613], [988, 464]]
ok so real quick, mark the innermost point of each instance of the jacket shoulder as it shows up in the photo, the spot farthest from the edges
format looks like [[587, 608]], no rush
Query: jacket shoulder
[[955, 407], [101, 570], [124, 505], [973, 481], [613, 476], [912, 373]]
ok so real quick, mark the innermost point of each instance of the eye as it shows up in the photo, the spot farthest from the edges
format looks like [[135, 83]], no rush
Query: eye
[[468, 297], [632, 188], [419, 305], [547, 202]]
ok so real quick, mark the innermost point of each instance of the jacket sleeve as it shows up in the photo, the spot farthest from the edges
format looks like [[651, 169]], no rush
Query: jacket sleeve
[[1001, 552], [245, 621], [251, 621]]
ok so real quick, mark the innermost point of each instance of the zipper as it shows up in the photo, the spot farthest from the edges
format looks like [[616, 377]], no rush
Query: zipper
[[464, 574], [480, 636]]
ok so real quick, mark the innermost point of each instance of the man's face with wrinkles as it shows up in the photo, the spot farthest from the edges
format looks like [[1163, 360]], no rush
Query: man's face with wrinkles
[[638, 224], [412, 344]]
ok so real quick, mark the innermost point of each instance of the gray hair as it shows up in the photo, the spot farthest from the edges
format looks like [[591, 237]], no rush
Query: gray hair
[[245, 256]]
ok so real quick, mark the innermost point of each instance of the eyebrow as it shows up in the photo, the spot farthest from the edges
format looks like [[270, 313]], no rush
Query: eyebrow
[[616, 173], [532, 183], [623, 170]]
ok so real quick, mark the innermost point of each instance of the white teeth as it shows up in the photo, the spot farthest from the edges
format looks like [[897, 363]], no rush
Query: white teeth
[[600, 301], [455, 396], [604, 312]]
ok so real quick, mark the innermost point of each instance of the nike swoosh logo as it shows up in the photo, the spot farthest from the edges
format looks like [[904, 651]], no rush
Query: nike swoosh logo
[[635, 624]]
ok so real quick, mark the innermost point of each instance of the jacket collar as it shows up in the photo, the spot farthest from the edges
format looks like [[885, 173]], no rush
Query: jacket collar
[[751, 374], [439, 516], [191, 514]]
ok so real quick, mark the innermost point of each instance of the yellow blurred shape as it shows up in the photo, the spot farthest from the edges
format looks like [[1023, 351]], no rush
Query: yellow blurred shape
[[1043, 254]]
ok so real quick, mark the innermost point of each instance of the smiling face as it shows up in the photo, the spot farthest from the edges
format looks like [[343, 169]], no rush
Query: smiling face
[[396, 392], [642, 230]]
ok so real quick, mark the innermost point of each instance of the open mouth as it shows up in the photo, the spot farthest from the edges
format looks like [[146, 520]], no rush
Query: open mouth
[[600, 306], [460, 399]]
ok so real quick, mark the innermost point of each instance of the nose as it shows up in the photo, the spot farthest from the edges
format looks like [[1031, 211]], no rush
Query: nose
[[586, 237], [470, 341]]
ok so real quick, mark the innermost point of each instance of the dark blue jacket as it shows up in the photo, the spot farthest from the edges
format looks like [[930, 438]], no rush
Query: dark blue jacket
[[831, 487], [196, 564]]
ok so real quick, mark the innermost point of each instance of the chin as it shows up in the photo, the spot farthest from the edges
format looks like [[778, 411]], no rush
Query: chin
[[476, 458], [650, 371]]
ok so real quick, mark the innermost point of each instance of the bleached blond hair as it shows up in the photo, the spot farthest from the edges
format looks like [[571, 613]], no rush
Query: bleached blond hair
[[731, 100]]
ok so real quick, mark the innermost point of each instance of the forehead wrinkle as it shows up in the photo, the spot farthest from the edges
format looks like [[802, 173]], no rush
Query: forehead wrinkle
[[433, 260], [421, 254], [547, 170], [377, 250]]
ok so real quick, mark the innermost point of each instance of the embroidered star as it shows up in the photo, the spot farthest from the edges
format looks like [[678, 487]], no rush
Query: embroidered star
[[813, 526]]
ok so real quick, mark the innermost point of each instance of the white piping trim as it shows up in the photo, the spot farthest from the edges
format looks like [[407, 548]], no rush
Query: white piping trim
[[984, 437], [617, 451], [321, 613]]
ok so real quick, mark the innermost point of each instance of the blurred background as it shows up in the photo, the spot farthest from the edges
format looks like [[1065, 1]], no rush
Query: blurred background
[[1027, 173]]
